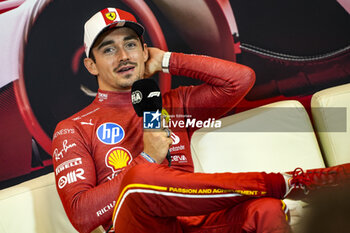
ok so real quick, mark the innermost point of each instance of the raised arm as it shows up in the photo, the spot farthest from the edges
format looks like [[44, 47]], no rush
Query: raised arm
[[226, 83]]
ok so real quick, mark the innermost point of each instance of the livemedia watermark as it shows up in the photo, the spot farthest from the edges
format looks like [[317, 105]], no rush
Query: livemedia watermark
[[265, 119]]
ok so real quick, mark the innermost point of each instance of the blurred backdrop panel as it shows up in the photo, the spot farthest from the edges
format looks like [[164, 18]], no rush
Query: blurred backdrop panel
[[295, 47]]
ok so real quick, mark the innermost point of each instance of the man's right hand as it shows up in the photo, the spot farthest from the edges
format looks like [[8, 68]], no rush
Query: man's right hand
[[154, 62], [156, 144]]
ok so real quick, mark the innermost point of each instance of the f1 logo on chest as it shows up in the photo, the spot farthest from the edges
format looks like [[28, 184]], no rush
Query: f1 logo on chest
[[110, 133]]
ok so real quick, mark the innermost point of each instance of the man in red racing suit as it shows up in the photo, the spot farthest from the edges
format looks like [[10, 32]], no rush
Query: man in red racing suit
[[105, 163]]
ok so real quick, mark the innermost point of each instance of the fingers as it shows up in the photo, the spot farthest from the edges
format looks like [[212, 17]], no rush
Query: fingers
[[168, 135], [168, 132], [157, 143], [154, 62]]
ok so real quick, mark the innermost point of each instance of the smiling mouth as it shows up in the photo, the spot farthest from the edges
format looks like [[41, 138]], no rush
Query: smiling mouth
[[126, 69]]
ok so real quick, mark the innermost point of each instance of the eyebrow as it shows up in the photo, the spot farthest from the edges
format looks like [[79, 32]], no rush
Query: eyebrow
[[130, 38], [105, 43], [108, 42]]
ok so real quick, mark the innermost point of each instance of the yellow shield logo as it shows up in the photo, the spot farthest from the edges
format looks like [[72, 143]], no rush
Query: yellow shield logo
[[111, 16], [117, 158]]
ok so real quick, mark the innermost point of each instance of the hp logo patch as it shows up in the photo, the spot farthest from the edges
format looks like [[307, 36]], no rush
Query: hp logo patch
[[110, 133]]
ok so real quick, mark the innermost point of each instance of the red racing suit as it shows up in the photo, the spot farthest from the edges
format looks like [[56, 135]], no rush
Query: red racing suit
[[95, 148]]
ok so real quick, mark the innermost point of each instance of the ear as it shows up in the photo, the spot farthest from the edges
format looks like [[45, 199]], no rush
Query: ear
[[90, 66], [145, 52]]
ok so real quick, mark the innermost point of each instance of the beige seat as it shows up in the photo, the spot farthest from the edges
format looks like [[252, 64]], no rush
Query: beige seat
[[33, 207], [331, 115]]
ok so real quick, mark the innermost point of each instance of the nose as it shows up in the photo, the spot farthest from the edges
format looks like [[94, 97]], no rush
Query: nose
[[123, 55]]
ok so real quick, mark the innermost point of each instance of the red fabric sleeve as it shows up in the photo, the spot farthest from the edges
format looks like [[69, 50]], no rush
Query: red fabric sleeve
[[226, 83], [82, 198]]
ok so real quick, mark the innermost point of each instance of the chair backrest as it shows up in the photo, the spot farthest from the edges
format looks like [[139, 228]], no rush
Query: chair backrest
[[274, 138], [33, 207], [331, 115]]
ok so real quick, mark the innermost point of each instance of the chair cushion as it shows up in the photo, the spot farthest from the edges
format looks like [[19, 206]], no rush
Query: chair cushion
[[272, 138], [331, 115], [33, 207]]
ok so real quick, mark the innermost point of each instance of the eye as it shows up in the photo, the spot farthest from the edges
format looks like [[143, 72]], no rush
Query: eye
[[131, 44], [109, 50]]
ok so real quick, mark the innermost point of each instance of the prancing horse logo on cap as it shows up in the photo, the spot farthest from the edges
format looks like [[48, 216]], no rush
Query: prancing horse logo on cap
[[110, 16]]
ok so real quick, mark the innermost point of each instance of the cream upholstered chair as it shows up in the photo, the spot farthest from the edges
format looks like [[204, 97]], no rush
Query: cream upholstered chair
[[33, 206], [331, 115]]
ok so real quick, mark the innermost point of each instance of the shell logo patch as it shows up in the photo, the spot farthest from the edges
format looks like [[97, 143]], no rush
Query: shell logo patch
[[117, 158], [111, 16]]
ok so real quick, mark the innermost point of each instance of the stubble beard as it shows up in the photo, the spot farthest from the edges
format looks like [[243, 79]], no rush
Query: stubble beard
[[128, 78], [129, 82]]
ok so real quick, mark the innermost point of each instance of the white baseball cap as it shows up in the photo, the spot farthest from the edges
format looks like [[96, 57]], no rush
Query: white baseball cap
[[106, 19]]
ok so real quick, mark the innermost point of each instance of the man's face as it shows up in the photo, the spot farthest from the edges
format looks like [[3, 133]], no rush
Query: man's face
[[119, 59]]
